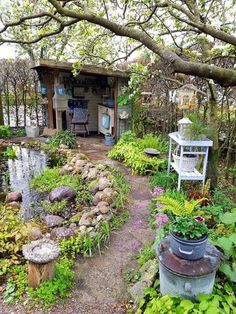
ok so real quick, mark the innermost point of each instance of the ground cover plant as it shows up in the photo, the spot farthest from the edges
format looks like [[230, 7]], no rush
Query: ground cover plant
[[130, 150]]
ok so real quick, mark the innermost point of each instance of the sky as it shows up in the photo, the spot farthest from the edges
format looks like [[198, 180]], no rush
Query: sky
[[7, 51]]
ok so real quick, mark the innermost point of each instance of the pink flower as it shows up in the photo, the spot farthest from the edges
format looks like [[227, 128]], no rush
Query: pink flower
[[161, 220], [157, 191], [199, 218]]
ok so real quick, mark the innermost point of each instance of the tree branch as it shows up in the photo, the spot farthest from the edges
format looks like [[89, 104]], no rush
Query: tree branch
[[225, 77]]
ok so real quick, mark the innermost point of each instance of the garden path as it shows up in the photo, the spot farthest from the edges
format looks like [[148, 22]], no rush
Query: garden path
[[100, 284]]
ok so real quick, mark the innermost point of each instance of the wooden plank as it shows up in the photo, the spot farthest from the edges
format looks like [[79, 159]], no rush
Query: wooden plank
[[49, 82]]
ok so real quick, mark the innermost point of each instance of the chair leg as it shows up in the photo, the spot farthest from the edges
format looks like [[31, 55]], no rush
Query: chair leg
[[86, 129]]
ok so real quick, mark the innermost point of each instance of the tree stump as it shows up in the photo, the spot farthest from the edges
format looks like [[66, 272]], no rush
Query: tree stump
[[41, 255]]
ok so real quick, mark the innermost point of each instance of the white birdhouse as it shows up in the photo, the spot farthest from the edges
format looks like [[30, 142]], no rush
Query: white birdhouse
[[187, 97]]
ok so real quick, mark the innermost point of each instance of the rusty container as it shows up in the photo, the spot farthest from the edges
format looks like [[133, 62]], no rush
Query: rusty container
[[187, 278]]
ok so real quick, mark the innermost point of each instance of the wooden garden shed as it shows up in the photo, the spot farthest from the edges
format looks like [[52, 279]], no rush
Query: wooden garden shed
[[95, 87]]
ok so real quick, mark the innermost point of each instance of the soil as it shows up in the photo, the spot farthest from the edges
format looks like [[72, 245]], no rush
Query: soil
[[101, 287]]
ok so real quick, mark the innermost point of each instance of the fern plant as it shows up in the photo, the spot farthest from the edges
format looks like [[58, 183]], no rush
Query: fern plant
[[179, 208]]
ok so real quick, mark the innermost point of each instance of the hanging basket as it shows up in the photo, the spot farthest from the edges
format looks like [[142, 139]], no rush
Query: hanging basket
[[188, 163]]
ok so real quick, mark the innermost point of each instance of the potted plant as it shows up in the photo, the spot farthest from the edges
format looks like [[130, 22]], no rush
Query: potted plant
[[109, 139], [188, 237]]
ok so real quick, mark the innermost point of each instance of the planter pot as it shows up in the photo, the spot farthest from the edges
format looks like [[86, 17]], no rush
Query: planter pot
[[188, 163], [188, 249], [109, 140], [32, 131]]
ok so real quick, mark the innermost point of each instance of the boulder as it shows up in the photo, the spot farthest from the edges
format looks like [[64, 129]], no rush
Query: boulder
[[97, 198], [13, 197], [80, 163], [87, 218], [103, 183], [53, 220], [149, 271], [137, 291], [103, 207], [62, 193], [92, 174], [61, 233], [93, 187], [63, 146]]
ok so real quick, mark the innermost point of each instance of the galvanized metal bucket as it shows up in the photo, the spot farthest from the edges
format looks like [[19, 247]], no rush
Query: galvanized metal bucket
[[188, 249]]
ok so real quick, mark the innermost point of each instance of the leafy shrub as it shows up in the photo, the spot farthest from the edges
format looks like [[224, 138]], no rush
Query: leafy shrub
[[19, 132], [12, 235], [130, 150], [5, 131], [10, 153], [219, 198], [63, 137]]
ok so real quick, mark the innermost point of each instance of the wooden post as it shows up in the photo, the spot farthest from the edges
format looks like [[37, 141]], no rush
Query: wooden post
[[115, 109], [49, 81], [38, 273]]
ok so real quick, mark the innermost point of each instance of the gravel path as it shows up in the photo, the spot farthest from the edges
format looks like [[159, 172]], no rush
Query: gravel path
[[100, 285]]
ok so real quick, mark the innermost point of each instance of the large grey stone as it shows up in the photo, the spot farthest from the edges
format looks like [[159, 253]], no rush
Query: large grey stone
[[61, 233], [103, 183], [137, 291], [53, 220], [62, 193]]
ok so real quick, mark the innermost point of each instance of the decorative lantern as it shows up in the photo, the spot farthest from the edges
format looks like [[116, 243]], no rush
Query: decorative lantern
[[183, 125], [187, 97]]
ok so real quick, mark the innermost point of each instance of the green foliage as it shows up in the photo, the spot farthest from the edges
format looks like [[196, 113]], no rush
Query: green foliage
[[5, 131], [219, 198], [179, 207], [163, 179], [50, 179], [121, 185], [63, 137], [188, 228], [53, 290], [10, 153], [19, 132], [196, 130], [147, 253], [12, 237], [130, 150], [53, 208], [47, 292], [217, 303]]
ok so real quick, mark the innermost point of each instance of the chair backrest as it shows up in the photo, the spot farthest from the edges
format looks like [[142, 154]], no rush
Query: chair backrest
[[80, 115]]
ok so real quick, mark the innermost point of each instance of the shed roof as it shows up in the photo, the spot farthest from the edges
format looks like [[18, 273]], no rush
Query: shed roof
[[86, 69]]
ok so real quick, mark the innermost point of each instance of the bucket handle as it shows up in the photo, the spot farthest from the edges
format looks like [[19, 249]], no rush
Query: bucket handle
[[186, 252]]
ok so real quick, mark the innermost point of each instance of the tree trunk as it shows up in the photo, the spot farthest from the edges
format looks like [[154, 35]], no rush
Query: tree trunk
[[1, 110], [230, 150], [212, 171]]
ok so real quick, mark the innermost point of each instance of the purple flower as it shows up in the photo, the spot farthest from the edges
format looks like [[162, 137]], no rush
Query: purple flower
[[158, 190], [161, 220], [199, 218]]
